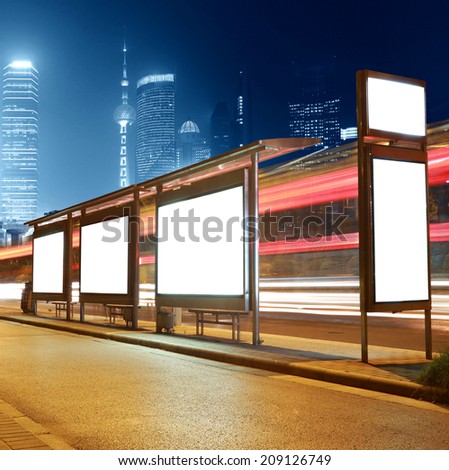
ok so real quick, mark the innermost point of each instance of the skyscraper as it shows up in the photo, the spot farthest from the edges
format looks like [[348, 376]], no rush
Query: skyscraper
[[243, 112], [20, 132], [155, 150], [191, 147], [315, 109], [124, 116], [220, 130]]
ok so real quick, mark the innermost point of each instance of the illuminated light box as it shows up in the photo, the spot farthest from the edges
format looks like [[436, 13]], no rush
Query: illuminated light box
[[48, 263], [400, 231], [396, 107], [203, 257], [104, 257]]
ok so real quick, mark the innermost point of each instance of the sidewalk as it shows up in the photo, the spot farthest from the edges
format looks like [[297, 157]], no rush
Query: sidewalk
[[390, 370], [18, 432]]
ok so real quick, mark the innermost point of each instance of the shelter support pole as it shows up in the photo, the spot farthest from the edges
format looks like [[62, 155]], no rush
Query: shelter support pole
[[68, 266], [134, 268], [364, 335], [428, 332], [254, 266], [82, 312]]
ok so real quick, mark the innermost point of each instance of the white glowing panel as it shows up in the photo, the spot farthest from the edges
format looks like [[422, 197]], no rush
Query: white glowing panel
[[400, 231], [201, 246], [48, 264], [104, 257], [396, 107]]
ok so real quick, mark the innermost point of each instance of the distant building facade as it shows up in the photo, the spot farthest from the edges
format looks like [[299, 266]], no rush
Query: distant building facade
[[191, 146], [155, 148], [221, 132], [348, 133], [19, 181], [243, 124], [314, 111]]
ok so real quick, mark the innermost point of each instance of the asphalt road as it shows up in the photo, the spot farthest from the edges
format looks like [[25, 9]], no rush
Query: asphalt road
[[99, 394]]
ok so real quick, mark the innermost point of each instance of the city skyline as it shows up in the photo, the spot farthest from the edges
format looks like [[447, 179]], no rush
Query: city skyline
[[77, 48]]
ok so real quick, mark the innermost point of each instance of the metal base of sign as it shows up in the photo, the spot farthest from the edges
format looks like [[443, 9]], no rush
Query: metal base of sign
[[364, 334]]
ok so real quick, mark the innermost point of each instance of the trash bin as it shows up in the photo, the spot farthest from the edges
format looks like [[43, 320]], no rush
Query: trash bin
[[164, 322], [26, 302]]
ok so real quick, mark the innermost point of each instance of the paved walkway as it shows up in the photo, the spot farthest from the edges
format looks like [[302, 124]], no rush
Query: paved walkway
[[390, 370], [18, 432]]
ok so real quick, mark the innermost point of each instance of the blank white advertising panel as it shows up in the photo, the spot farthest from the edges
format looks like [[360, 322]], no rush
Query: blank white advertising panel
[[48, 263], [400, 231], [104, 257], [201, 246], [396, 107]]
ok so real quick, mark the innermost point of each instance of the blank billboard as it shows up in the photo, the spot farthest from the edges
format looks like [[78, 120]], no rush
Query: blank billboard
[[48, 263], [396, 107], [200, 247], [400, 231], [104, 257]]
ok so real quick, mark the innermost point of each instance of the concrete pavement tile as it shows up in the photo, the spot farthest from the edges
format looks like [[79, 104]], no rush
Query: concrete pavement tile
[[28, 444], [18, 432]]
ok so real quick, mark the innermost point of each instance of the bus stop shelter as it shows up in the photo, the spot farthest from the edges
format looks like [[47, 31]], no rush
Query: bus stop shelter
[[104, 239]]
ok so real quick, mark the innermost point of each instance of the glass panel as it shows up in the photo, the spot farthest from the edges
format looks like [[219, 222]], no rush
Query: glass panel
[[200, 245], [400, 231], [104, 257], [48, 263], [396, 107]]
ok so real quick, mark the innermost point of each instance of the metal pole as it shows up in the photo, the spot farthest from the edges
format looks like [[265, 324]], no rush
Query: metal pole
[[364, 338], [135, 266], [134, 232], [82, 311], [428, 332], [68, 267], [254, 217]]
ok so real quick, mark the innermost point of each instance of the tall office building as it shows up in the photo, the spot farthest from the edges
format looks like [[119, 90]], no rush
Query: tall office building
[[243, 112], [191, 147], [155, 150], [124, 116], [221, 136], [314, 111], [20, 132]]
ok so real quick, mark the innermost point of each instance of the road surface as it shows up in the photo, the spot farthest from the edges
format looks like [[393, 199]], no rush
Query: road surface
[[100, 394]]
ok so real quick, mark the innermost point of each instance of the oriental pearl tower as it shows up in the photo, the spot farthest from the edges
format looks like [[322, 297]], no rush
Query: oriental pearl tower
[[124, 115]]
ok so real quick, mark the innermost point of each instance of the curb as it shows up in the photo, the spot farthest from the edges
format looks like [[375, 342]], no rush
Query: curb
[[351, 379]]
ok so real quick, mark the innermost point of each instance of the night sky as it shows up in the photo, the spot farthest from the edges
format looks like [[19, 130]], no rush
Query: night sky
[[77, 48]]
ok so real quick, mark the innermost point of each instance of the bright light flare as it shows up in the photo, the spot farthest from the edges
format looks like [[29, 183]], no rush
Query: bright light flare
[[11, 291], [21, 64]]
